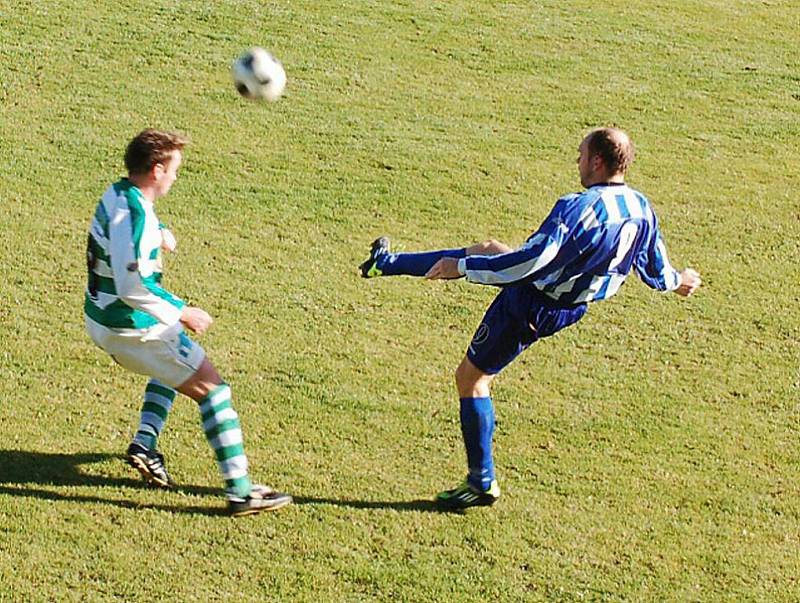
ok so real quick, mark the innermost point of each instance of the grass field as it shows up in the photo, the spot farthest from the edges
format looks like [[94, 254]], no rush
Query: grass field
[[650, 453]]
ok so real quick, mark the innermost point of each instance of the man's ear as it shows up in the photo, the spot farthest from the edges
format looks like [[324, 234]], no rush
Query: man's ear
[[157, 170]]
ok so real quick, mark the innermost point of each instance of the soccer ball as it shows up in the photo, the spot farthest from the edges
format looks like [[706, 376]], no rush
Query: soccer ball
[[258, 75]]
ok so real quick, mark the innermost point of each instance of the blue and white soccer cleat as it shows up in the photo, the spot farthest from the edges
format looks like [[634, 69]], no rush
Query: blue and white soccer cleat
[[369, 268], [464, 496]]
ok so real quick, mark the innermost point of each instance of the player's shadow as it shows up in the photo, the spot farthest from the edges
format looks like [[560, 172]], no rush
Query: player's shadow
[[31, 474], [24, 473], [400, 505]]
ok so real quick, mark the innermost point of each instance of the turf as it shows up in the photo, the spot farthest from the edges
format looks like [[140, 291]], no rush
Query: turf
[[649, 453]]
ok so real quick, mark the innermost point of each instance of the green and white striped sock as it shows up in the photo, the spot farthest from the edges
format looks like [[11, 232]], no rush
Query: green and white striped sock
[[158, 399], [224, 434]]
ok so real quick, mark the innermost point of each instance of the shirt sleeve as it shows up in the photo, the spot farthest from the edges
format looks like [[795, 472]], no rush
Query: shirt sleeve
[[530, 262], [652, 264], [138, 291]]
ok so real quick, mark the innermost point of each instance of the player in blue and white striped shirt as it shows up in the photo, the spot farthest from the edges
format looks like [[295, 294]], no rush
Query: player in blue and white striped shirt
[[581, 253]]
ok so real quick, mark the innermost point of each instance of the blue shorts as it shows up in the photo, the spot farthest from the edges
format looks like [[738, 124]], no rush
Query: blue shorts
[[518, 316]]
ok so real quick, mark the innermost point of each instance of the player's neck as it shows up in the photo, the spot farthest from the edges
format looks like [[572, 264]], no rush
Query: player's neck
[[143, 183], [605, 179]]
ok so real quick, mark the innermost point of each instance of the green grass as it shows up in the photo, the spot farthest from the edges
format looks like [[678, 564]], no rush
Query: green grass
[[650, 453]]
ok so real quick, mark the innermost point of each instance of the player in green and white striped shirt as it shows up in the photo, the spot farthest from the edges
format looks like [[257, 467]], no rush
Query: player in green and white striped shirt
[[131, 316]]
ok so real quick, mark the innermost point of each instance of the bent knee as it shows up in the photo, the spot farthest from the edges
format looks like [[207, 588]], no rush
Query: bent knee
[[491, 247], [199, 385], [470, 380]]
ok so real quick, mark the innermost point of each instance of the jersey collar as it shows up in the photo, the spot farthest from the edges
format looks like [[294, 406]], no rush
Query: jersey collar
[[606, 184]]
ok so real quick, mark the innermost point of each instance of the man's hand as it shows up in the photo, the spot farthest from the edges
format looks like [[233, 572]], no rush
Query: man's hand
[[195, 319], [444, 268], [168, 241], [690, 281]]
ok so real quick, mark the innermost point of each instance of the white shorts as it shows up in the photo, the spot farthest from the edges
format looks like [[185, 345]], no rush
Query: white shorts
[[163, 352]]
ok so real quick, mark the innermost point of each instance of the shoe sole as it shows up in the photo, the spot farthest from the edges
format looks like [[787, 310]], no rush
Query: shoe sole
[[364, 267], [461, 507], [149, 476], [458, 505], [278, 505]]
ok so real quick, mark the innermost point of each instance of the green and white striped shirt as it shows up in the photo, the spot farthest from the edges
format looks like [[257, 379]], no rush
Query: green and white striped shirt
[[124, 263]]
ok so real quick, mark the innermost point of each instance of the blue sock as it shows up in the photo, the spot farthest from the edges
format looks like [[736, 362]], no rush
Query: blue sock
[[415, 264], [477, 427]]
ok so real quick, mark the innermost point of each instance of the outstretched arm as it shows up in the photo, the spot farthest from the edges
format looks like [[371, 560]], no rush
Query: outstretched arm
[[447, 268], [653, 267], [494, 263], [532, 260]]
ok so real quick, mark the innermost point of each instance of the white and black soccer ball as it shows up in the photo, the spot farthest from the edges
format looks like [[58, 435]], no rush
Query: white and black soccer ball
[[258, 75]]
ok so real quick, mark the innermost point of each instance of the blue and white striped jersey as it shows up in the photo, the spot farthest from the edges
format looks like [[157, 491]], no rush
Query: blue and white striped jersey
[[584, 249]]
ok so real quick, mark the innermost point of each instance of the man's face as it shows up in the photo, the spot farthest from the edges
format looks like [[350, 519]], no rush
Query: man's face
[[586, 165], [166, 173]]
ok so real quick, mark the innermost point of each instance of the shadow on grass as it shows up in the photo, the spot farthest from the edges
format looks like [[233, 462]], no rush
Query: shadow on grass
[[407, 505], [20, 470], [22, 473], [124, 504]]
